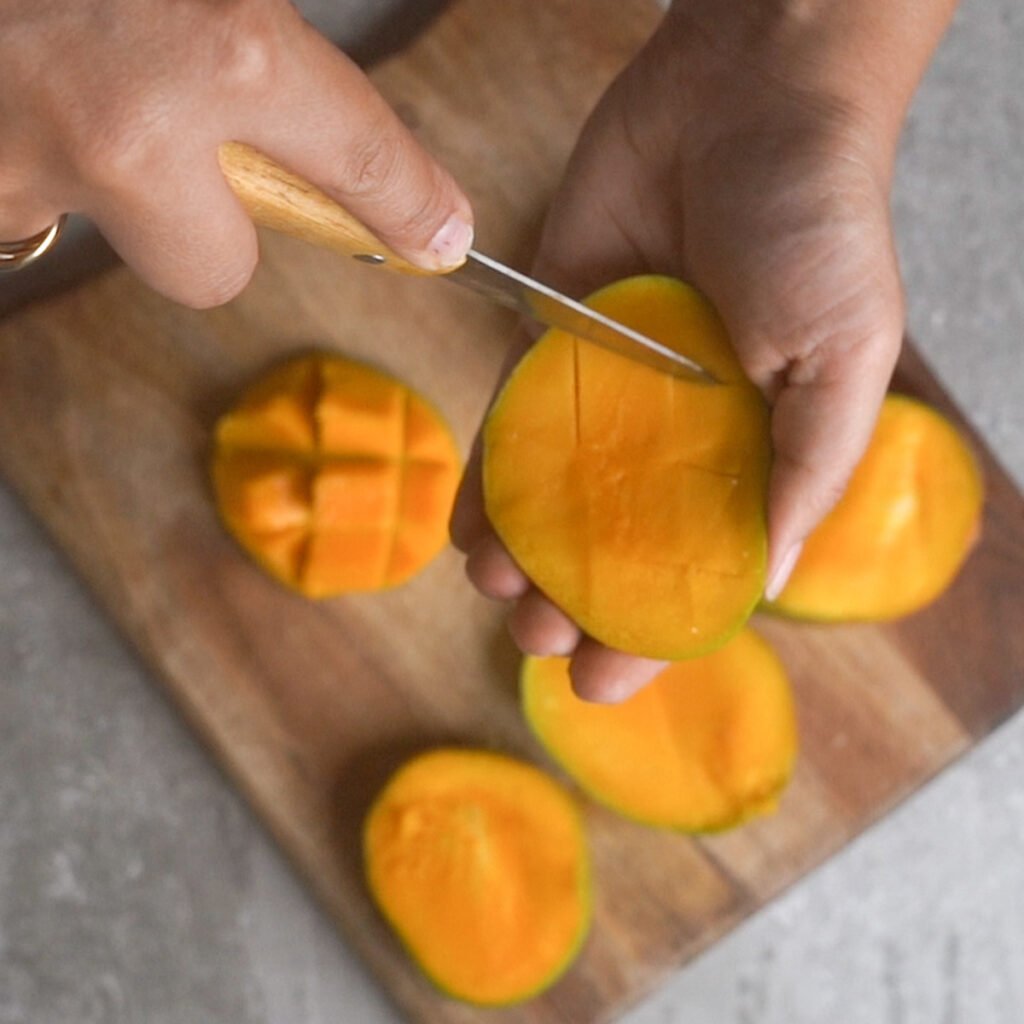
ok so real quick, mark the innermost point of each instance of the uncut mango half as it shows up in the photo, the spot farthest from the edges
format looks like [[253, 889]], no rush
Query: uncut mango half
[[900, 533], [633, 499], [708, 744], [479, 862]]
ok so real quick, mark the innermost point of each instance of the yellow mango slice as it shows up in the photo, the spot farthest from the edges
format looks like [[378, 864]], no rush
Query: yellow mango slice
[[708, 744], [899, 535], [479, 863]]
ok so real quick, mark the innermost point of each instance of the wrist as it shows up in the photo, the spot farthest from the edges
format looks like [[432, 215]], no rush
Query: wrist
[[854, 65]]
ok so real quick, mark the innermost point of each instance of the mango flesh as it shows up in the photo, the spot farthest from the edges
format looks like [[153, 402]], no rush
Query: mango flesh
[[479, 863], [899, 535], [335, 476], [633, 499], [708, 744]]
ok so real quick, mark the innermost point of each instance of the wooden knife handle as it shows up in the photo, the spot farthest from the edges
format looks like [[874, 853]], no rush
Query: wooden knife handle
[[278, 199]]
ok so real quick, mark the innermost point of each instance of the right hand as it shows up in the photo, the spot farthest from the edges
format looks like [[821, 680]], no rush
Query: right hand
[[115, 109]]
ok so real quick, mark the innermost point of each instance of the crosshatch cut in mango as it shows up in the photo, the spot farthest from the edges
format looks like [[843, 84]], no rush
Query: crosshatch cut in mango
[[479, 862], [335, 476], [633, 499], [708, 744], [899, 535]]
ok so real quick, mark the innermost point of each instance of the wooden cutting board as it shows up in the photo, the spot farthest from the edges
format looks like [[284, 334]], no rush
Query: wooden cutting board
[[107, 396]]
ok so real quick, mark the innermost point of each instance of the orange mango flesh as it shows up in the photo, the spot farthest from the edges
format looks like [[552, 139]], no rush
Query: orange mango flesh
[[335, 476], [633, 499], [709, 743], [899, 535], [479, 863]]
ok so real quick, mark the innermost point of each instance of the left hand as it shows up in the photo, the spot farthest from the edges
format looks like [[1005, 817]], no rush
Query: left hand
[[751, 174]]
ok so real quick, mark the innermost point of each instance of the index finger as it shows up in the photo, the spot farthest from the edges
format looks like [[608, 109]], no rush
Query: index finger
[[327, 122]]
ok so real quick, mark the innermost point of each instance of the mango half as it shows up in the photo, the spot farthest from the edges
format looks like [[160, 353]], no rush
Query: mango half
[[635, 500], [903, 528], [708, 744], [335, 476], [479, 862]]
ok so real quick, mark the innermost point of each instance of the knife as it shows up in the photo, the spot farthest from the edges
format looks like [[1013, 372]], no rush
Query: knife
[[276, 198]]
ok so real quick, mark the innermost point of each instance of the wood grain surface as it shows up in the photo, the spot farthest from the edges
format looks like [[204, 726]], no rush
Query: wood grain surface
[[107, 397]]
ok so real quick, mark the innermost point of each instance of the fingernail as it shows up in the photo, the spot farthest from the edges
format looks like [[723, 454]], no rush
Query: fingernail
[[451, 243], [783, 571]]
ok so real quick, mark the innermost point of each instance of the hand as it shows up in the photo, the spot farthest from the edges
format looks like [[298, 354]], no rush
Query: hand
[[739, 161], [116, 109]]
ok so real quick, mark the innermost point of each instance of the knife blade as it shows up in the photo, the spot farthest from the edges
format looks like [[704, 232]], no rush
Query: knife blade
[[508, 287], [279, 199]]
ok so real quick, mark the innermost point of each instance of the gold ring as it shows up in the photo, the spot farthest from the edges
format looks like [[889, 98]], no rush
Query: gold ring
[[16, 255]]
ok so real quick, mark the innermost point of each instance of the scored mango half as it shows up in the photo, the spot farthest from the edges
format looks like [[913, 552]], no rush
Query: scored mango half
[[635, 500], [335, 476]]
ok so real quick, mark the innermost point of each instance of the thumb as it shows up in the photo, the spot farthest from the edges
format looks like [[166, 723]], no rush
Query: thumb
[[812, 299], [821, 425], [327, 123]]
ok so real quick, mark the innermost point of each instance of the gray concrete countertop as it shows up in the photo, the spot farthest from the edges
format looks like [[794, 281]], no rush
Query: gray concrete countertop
[[136, 888]]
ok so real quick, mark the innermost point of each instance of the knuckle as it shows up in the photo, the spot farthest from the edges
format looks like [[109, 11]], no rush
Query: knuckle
[[119, 150], [419, 221], [247, 48], [373, 166], [412, 201], [828, 495], [823, 482], [138, 123]]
